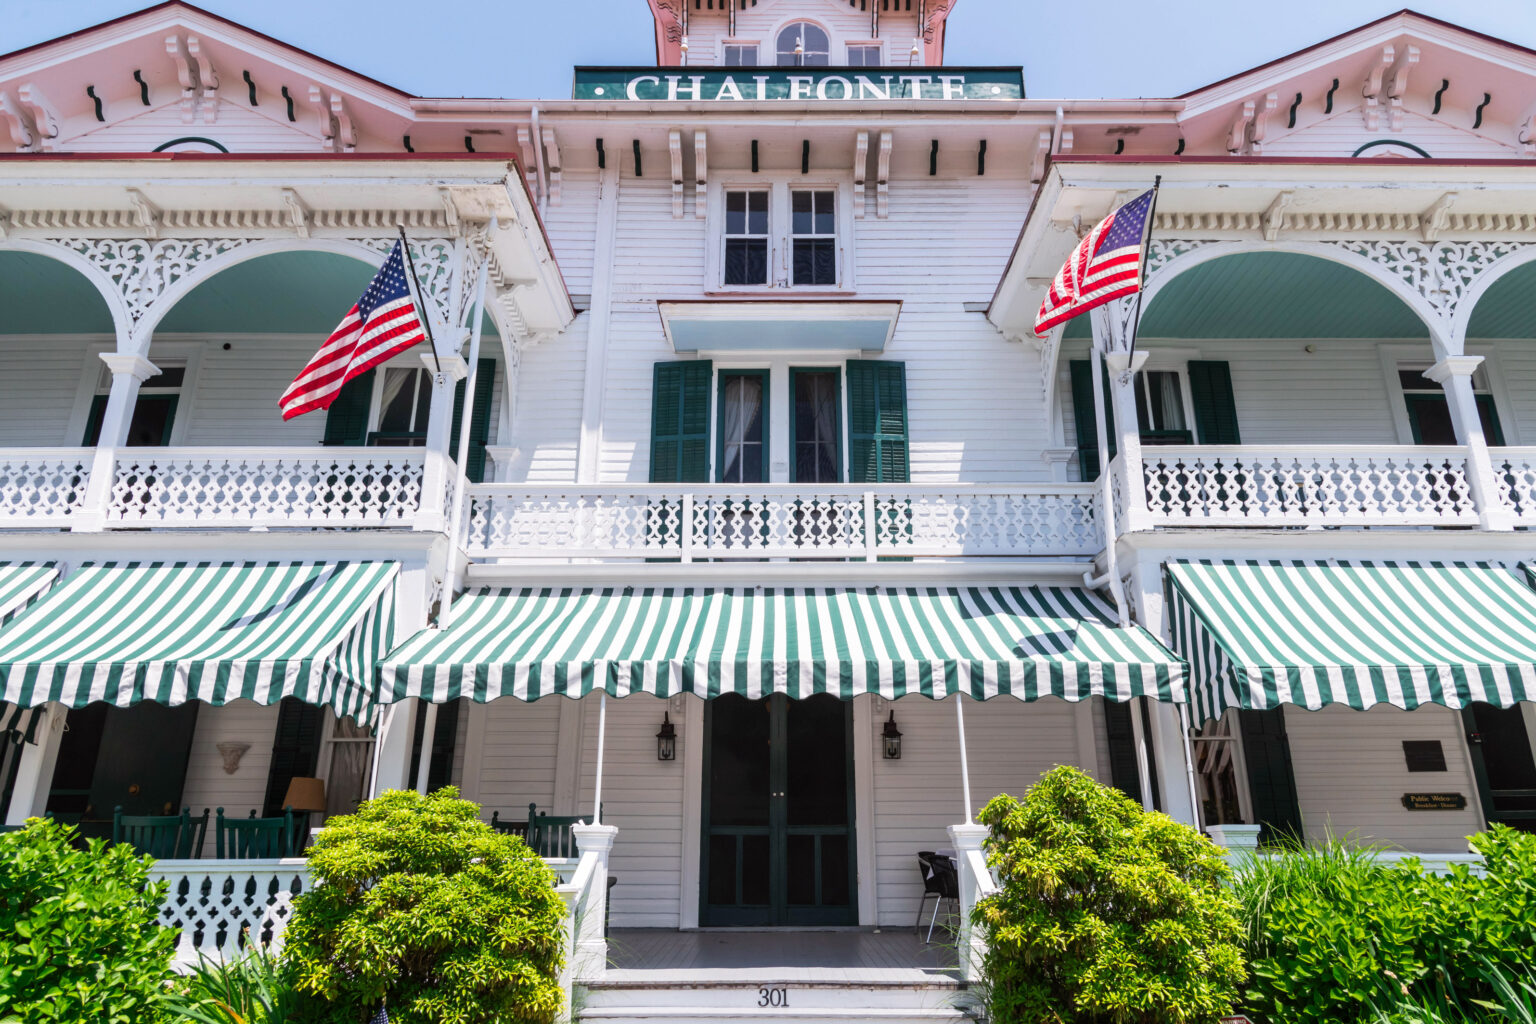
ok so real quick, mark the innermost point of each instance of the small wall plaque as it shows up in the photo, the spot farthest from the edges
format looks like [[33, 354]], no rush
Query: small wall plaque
[[1434, 801]]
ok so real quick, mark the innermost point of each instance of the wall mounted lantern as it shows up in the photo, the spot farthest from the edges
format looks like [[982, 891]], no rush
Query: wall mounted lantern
[[892, 737], [666, 740]]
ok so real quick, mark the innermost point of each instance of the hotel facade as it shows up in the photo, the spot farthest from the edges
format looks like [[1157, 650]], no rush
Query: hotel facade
[[782, 543]]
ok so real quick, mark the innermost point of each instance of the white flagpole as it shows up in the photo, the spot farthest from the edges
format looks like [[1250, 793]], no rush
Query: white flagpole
[[451, 570]]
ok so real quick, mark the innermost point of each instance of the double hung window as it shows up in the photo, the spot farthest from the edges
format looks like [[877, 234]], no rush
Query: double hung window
[[1429, 414], [815, 426], [405, 402], [153, 413], [746, 237], [739, 55], [813, 237], [743, 426], [1160, 410], [864, 55]]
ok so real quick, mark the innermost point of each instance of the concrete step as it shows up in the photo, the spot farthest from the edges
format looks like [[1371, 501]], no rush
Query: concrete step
[[791, 999]]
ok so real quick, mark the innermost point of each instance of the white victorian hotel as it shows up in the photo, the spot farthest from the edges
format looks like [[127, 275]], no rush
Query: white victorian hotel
[[782, 544]]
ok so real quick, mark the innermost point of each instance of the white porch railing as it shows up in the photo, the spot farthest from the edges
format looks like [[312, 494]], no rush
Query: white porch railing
[[241, 488], [219, 908], [42, 486], [691, 522], [1336, 485], [1514, 471]]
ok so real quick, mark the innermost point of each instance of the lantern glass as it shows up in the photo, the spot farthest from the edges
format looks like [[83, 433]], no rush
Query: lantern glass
[[666, 740], [891, 739]]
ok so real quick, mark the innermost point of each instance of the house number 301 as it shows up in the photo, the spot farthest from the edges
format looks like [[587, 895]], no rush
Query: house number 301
[[773, 997]]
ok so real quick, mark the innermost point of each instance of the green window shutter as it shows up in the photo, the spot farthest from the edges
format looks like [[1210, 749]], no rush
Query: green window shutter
[[444, 735], [346, 422], [295, 749], [1087, 424], [1271, 782], [1210, 386], [1124, 773], [680, 422], [878, 446], [480, 426]]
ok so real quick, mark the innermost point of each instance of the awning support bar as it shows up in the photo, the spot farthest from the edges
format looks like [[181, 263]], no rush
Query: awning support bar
[[602, 729], [1189, 764], [428, 734], [965, 766]]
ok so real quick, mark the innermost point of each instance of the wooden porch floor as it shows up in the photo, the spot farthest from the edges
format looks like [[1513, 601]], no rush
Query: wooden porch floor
[[895, 955]]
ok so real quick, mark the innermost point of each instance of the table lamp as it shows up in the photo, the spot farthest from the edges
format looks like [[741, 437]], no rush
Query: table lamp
[[305, 796]]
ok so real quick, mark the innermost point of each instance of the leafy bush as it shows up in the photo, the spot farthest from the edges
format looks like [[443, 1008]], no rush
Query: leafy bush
[[1106, 913], [79, 938], [1335, 936], [251, 990], [420, 906]]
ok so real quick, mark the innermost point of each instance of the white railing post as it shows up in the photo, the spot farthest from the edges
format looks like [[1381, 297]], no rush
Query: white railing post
[[91, 516], [687, 526], [975, 882], [1235, 838], [1454, 374], [871, 528], [590, 948], [437, 467]]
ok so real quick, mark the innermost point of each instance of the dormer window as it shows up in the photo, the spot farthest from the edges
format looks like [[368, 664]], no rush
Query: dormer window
[[740, 55], [804, 45]]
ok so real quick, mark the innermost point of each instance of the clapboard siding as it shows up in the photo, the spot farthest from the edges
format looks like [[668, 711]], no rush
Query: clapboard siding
[[1286, 395], [1351, 776], [1513, 364], [39, 379], [940, 248], [916, 798], [844, 23], [1341, 134], [517, 758], [208, 785], [239, 128], [643, 797]]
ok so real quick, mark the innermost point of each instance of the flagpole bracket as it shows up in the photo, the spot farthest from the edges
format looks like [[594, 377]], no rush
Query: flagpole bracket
[[453, 368]]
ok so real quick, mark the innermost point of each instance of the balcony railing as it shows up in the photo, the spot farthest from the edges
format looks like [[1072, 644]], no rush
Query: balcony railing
[[697, 522], [92, 489], [221, 908], [1285, 485]]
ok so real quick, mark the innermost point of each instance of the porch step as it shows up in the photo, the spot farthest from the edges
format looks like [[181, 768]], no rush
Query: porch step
[[790, 997]]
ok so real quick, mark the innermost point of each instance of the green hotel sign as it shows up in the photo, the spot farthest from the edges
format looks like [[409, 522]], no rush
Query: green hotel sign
[[797, 85]]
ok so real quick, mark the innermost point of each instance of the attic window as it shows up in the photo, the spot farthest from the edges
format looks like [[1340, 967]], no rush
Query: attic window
[[804, 45]]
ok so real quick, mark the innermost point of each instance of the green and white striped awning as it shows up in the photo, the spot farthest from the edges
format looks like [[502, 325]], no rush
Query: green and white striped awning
[[1024, 642], [1262, 634], [21, 583], [177, 632]]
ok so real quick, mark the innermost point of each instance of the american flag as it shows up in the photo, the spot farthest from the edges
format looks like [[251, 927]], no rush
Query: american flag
[[380, 324], [1105, 265]]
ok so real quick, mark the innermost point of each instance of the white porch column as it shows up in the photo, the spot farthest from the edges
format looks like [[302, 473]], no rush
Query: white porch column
[[438, 469], [1168, 749], [392, 748], [1123, 367], [973, 886], [591, 947], [34, 775], [129, 372], [1454, 374]]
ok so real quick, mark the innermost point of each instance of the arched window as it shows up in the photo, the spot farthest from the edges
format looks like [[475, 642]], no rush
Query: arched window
[[804, 45]]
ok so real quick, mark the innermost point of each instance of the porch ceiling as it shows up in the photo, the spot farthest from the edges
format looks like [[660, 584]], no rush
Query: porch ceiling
[[1273, 295], [39, 295]]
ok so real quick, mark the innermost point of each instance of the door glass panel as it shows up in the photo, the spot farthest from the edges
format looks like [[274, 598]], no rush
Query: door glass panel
[[722, 870], [741, 428], [755, 871], [816, 459], [817, 755], [835, 872], [800, 869], [406, 401], [738, 762]]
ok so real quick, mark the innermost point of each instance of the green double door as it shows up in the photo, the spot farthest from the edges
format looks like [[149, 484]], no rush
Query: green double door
[[778, 835]]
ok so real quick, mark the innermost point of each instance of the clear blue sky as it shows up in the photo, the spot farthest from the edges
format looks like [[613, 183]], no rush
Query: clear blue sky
[[526, 48]]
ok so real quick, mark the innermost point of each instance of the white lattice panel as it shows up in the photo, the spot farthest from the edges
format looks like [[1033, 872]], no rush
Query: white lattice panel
[[266, 487], [780, 521], [220, 907], [1514, 469], [1249, 485], [42, 486]]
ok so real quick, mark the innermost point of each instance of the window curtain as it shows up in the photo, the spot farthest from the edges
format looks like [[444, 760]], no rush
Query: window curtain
[[743, 398]]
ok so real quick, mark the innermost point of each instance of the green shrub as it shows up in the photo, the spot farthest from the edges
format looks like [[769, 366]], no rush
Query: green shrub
[[1106, 913], [418, 905], [251, 990], [79, 939], [1336, 937]]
